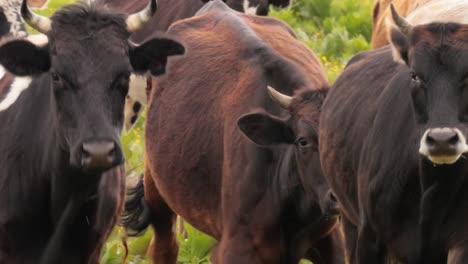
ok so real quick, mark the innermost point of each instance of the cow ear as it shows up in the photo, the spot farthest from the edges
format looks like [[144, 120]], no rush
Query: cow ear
[[264, 129], [152, 55], [22, 58], [400, 43]]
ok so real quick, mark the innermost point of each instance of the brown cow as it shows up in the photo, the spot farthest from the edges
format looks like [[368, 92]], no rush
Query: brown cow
[[381, 12], [169, 12], [264, 204]]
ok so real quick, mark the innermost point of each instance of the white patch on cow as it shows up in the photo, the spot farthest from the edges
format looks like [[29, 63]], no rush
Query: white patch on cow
[[461, 147], [249, 10], [2, 72], [136, 94], [17, 87], [441, 11], [11, 9], [38, 39], [137, 88]]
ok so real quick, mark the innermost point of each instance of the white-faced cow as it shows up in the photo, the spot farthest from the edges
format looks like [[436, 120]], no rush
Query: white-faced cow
[[61, 179], [392, 142]]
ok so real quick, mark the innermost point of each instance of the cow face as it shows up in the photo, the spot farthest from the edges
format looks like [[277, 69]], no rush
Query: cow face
[[436, 57], [299, 132], [87, 62]]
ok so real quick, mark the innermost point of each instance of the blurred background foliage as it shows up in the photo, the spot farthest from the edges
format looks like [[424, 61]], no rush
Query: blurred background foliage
[[334, 29]]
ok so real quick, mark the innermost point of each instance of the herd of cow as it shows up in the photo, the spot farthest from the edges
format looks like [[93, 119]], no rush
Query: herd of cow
[[245, 138]]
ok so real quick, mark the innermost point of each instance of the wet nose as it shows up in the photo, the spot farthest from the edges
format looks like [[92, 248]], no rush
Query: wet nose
[[442, 141], [99, 155]]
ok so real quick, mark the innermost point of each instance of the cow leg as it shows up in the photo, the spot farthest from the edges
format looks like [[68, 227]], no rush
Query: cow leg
[[163, 248], [369, 248]]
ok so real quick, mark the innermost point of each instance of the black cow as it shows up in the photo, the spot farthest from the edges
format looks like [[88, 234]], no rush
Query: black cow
[[61, 180], [392, 143]]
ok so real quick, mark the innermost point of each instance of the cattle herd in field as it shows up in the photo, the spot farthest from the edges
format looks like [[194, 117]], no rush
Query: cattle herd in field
[[245, 138]]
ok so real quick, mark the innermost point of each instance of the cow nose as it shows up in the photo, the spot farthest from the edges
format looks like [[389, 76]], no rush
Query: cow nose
[[443, 145], [332, 206], [98, 155], [442, 141]]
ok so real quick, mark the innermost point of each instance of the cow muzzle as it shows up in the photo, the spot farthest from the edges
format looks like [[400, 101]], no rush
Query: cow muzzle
[[443, 145], [100, 155]]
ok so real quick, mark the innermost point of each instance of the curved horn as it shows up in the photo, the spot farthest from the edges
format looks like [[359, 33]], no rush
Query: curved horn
[[399, 20], [39, 23], [139, 19], [283, 100]]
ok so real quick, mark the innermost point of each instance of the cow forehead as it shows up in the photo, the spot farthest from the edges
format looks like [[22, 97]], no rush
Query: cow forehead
[[76, 26], [445, 41]]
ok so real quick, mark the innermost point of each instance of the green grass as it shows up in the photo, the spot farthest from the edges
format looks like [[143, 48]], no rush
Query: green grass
[[333, 29]]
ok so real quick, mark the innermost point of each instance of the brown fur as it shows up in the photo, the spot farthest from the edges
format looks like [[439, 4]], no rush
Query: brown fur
[[200, 166], [5, 84], [381, 12]]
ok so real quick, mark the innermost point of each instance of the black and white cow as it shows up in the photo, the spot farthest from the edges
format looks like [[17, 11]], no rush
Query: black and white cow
[[61, 179]]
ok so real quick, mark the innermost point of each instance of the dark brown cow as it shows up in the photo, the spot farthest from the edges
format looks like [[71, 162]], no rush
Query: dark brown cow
[[264, 204], [392, 144]]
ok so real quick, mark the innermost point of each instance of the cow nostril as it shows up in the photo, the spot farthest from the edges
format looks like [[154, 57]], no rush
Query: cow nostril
[[99, 155], [454, 139], [430, 140]]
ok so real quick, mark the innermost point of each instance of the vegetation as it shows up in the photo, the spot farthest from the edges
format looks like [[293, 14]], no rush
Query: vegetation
[[333, 29]]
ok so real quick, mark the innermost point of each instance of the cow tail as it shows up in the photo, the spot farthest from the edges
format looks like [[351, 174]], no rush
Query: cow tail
[[136, 216]]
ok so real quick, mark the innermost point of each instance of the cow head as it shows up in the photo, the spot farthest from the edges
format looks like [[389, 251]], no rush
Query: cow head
[[299, 133], [435, 55], [87, 64]]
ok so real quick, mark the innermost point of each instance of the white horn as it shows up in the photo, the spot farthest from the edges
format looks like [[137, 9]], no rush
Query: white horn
[[283, 100], [39, 23], [139, 19]]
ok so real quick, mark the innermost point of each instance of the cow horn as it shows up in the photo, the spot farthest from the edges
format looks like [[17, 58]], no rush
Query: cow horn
[[39, 23], [139, 19], [399, 20], [283, 100]]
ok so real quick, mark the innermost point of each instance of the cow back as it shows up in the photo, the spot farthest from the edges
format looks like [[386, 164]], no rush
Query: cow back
[[194, 108]]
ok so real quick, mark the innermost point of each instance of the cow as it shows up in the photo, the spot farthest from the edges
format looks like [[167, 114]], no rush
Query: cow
[[170, 11], [230, 161], [392, 139], [61, 177], [381, 12], [10, 18]]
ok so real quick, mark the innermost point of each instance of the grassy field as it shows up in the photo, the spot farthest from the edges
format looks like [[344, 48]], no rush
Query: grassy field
[[333, 29]]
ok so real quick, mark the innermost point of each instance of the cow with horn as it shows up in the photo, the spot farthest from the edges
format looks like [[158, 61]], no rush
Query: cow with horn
[[393, 135], [61, 174]]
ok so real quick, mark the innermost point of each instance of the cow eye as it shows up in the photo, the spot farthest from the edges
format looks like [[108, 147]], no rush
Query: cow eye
[[302, 142], [415, 77], [57, 81]]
